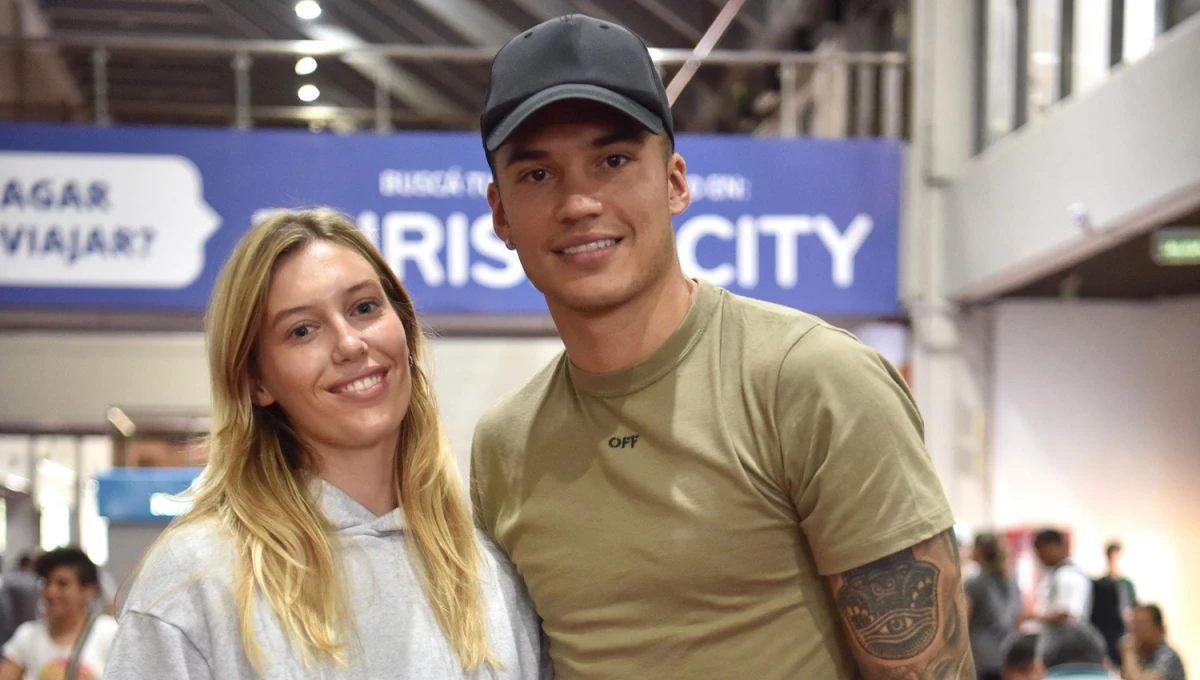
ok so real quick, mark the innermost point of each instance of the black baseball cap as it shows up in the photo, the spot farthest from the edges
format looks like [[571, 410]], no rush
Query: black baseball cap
[[573, 57]]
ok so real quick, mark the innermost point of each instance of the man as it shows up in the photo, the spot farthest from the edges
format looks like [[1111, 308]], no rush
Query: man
[[1113, 597], [1145, 654], [21, 594], [1075, 653], [1021, 660], [1065, 592], [702, 486]]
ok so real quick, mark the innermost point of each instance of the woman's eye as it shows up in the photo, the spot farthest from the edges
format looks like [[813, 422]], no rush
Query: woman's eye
[[366, 307], [301, 332]]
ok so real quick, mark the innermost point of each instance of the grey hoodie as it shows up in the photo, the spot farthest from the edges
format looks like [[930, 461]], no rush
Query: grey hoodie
[[180, 620]]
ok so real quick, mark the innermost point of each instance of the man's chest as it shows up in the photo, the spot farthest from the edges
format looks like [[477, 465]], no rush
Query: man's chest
[[631, 514]]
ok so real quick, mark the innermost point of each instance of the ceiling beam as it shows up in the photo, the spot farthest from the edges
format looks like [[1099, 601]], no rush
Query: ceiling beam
[[127, 19], [664, 14], [26, 19], [446, 74], [407, 88], [471, 20], [786, 16], [241, 26], [545, 10]]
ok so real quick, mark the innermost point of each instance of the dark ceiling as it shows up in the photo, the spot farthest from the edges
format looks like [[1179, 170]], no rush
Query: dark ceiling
[[166, 87], [1126, 271]]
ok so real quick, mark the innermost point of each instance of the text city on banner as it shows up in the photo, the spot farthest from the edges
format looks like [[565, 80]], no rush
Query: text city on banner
[[127, 218]]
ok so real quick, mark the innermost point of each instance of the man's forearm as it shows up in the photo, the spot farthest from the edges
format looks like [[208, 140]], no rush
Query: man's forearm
[[906, 614]]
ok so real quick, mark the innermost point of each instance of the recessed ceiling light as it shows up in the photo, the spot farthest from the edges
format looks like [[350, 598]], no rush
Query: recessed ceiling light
[[306, 65], [308, 9], [308, 93]]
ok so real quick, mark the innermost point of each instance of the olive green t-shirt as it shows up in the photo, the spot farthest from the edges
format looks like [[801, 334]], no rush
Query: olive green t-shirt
[[677, 519]]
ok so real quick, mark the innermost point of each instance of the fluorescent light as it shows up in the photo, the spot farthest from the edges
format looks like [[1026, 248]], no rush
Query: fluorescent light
[[306, 65], [121, 421], [308, 9], [308, 93]]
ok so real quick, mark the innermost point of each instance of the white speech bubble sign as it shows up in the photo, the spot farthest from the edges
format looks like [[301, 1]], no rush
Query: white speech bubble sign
[[90, 220]]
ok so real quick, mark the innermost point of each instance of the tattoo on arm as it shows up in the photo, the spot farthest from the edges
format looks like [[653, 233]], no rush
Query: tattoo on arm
[[905, 613]]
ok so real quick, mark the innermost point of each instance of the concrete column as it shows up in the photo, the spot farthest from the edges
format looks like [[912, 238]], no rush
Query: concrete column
[[950, 352]]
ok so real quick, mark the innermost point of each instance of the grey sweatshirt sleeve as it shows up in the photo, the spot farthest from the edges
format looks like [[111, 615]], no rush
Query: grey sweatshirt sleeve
[[533, 649], [148, 647]]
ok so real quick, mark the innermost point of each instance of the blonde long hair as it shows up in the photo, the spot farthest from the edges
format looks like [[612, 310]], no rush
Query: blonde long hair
[[254, 484]]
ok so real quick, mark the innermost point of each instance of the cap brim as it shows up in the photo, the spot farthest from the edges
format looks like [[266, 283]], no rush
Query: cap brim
[[559, 93]]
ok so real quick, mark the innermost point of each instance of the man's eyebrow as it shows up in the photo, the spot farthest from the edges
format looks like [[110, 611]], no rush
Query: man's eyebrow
[[521, 154]]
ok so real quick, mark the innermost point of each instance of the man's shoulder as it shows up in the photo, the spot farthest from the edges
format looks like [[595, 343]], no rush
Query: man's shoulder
[[29, 633], [105, 628], [765, 321], [769, 335], [1165, 654]]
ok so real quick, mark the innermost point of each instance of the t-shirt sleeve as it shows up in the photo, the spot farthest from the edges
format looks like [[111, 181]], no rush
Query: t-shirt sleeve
[[148, 647], [19, 648], [533, 648], [854, 459], [22, 648], [104, 633], [479, 478]]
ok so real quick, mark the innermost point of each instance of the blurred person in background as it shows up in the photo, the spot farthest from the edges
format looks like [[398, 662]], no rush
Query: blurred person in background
[[70, 642], [106, 594], [1113, 599], [1076, 653], [1021, 660], [19, 594], [1145, 654], [993, 606], [1065, 591], [329, 534]]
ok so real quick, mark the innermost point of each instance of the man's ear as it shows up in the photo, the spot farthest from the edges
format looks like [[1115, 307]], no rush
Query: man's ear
[[499, 217], [679, 195]]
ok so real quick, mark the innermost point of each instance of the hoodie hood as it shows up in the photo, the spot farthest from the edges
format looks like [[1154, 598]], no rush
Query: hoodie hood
[[348, 517]]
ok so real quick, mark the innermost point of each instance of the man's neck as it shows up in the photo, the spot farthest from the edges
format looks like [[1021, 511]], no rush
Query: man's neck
[[68, 630], [630, 334], [365, 475]]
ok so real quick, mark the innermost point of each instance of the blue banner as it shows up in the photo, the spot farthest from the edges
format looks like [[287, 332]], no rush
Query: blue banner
[[144, 218], [144, 494]]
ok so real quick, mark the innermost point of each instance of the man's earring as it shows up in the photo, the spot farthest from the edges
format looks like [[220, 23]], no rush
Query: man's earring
[[509, 244]]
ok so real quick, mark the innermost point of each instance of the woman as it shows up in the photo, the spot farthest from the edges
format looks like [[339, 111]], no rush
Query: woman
[[329, 536], [69, 637], [993, 607]]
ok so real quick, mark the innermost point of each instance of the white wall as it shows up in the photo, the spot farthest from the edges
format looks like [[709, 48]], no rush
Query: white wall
[[72, 379], [1096, 426], [59, 379], [1128, 151]]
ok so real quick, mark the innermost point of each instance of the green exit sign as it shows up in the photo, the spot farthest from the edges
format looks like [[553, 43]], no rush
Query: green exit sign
[[1176, 246]]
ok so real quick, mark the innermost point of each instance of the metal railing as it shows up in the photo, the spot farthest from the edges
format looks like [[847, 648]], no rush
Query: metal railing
[[831, 94]]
